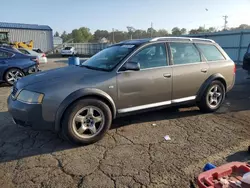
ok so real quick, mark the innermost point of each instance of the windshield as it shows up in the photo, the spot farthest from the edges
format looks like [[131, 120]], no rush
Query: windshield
[[67, 48], [108, 58]]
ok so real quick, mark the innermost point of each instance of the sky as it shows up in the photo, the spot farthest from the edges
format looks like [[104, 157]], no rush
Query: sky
[[66, 15]]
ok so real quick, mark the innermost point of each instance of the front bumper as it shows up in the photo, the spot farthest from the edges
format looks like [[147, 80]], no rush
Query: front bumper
[[28, 115]]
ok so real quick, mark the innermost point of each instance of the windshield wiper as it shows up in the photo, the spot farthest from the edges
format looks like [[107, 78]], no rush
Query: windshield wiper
[[94, 68]]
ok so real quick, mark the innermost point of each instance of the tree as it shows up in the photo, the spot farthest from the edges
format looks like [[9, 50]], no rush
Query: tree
[[211, 30], [99, 34], [176, 31], [161, 33], [119, 36], [244, 26], [81, 35], [183, 31], [201, 30], [56, 34], [139, 34], [193, 31], [151, 32], [131, 30], [64, 36]]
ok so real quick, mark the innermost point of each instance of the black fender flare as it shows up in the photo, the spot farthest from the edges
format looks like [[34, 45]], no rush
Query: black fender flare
[[204, 86], [92, 92]]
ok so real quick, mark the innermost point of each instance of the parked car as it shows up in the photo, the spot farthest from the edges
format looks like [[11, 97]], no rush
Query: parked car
[[80, 102], [246, 60], [15, 65], [68, 51], [41, 56]]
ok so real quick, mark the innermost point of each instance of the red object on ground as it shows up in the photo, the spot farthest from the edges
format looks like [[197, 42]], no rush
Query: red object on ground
[[206, 179]]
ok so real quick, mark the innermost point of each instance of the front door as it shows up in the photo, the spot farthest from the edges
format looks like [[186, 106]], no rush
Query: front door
[[4, 57], [149, 87], [189, 71]]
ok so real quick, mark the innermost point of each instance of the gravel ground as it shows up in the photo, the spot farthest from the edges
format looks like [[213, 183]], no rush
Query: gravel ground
[[134, 152]]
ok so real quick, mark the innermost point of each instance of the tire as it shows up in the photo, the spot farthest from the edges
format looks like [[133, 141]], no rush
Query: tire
[[205, 104], [70, 127], [12, 75]]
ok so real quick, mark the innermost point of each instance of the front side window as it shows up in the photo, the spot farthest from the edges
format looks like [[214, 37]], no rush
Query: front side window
[[108, 58], [151, 56], [184, 53], [211, 52]]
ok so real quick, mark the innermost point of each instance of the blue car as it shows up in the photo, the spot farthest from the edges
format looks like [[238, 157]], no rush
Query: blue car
[[14, 65]]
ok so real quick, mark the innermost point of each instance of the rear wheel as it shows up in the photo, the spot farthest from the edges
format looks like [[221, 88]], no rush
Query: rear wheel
[[12, 75], [213, 97], [86, 121]]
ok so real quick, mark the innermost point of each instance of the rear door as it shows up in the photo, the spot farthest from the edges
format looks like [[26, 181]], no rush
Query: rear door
[[149, 87], [189, 71], [218, 62]]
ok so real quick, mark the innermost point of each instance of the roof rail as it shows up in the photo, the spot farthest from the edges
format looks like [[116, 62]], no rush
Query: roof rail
[[185, 38]]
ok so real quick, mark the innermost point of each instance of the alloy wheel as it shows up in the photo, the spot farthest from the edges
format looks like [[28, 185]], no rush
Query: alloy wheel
[[88, 122], [215, 96], [13, 75]]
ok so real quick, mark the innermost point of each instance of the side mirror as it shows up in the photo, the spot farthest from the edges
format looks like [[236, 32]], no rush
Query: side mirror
[[131, 65]]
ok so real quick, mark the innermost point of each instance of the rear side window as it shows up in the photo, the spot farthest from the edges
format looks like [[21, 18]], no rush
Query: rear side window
[[24, 51], [211, 52], [184, 53], [5, 54]]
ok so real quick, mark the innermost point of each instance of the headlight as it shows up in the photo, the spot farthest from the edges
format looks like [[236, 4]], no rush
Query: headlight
[[30, 97]]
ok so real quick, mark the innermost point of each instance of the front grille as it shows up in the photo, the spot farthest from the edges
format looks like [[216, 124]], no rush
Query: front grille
[[14, 91]]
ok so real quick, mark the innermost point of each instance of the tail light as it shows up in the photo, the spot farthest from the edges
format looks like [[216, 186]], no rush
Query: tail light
[[234, 68], [43, 55], [35, 60]]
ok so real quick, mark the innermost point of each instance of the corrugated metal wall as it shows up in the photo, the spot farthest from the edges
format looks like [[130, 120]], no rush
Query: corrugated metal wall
[[43, 39], [235, 43], [87, 48]]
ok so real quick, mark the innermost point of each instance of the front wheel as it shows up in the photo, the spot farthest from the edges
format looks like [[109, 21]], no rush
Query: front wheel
[[12, 75], [213, 97], [86, 121]]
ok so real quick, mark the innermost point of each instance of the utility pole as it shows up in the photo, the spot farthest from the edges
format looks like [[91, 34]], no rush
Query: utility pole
[[113, 38], [225, 21], [151, 30]]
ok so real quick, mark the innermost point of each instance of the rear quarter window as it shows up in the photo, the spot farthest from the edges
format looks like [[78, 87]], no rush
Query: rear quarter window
[[211, 52]]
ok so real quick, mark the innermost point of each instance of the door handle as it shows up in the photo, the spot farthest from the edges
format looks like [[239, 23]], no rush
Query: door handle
[[204, 70], [167, 75]]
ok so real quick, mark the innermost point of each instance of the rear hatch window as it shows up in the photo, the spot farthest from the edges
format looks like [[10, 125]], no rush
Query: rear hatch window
[[67, 48]]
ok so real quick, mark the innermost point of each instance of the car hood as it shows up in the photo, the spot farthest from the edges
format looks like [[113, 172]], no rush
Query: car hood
[[60, 74]]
